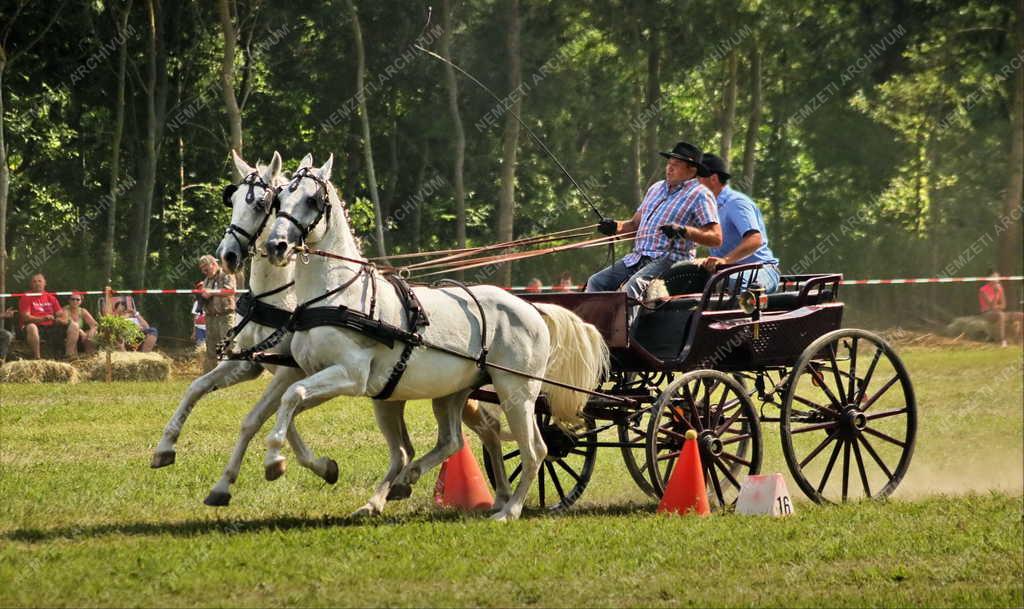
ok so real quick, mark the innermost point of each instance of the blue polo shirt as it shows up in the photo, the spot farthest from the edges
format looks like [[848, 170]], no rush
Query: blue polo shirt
[[738, 216]]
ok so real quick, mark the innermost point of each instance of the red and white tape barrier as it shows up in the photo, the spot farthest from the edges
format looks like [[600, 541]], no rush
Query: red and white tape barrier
[[515, 288]]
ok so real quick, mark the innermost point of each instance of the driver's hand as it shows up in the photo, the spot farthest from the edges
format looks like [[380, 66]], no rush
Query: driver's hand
[[711, 263], [607, 226], [672, 231]]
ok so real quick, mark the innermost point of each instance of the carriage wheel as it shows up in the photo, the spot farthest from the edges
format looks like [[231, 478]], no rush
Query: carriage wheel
[[849, 393], [565, 473], [633, 431], [717, 407]]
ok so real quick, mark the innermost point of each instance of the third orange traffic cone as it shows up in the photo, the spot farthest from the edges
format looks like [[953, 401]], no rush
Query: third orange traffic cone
[[461, 484], [685, 491]]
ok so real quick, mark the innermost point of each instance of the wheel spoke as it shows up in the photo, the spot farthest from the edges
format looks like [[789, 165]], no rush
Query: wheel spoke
[[511, 455], [671, 455], [708, 392], [668, 468], [515, 473], [555, 481], [835, 374], [675, 434], [885, 437], [578, 451], [739, 438], [887, 413], [816, 426], [815, 405], [716, 484], [828, 468], [814, 453], [727, 473], [879, 393], [725, 426], [735, 459], [693, 403], [846, 469], [570, 471], [852, 387], [860, 466], [540, 485], [867, 377], [874, 455], [824, 386]]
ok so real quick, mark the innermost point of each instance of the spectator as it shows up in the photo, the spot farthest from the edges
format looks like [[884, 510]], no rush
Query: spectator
[[149, 333], [82, 317], [198, 324], [565, 282], [6, 336], [219, 310], [534, 286], [992, 303], [43, 320]]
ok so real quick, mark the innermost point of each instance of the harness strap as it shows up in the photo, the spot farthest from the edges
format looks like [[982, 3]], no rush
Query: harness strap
[[481, 359], [252, 309], [416, 318]]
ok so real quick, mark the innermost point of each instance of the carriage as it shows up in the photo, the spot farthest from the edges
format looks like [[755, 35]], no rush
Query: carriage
[[701, 359]]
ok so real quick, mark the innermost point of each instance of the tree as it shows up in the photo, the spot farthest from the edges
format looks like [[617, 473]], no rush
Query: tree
[[227, 77], [510, 139], [754, 121], [729, 107], [1010, 239], [452, 87], [120, 18]]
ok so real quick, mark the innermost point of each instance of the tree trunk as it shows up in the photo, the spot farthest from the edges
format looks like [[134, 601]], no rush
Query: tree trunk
[[115, 141], [1010, 240], [390, 201], [636, 169], [452, 86], [364, 117], [150, 147], [417, 212], [510, 141], [754, 123], [650, 102], [5, 182], [729, 110], [227, 78]]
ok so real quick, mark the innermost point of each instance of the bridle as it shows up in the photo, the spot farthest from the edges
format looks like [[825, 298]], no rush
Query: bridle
[[319, 200], [268, 202]]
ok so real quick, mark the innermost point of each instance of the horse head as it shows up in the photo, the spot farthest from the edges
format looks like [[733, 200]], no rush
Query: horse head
[[304, 210], [252, 201]]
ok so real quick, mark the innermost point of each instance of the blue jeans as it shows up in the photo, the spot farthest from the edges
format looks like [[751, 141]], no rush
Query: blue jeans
[[768, 277], [636, 277]]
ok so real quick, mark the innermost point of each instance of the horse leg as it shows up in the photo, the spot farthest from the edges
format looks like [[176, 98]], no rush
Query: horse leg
[[448, 412], [283, 378], [487, 427], [226, 374], [324, 467], [391, 421], [302, 395], [518, 396]]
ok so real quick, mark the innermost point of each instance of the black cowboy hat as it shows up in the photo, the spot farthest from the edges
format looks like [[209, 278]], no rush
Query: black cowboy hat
[[715, 164], [689, 153]]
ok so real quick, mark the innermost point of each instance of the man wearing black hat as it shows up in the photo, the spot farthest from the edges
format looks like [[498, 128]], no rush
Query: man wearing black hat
[[744, 239], [677, 214]]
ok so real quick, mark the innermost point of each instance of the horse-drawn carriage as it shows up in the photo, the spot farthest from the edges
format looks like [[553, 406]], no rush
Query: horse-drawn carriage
[[701, 358]]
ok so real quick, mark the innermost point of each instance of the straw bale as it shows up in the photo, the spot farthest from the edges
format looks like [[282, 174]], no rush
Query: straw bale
[[38, 371], [128, 366]]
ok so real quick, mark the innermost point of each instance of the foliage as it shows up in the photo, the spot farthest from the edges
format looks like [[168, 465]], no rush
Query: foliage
[[113, 331]]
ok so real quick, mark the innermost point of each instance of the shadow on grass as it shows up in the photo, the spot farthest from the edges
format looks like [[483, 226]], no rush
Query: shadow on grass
[[194, 527]]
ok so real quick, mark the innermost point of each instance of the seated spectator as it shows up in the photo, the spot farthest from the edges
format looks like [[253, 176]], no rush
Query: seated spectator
[[198, 325], [992, 302], [534, 286], [82, 317], [43, 320], [564, 282], [149, 333]]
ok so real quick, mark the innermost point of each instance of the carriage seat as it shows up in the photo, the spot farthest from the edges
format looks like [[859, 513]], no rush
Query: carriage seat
[[787, 301], [685, 277]]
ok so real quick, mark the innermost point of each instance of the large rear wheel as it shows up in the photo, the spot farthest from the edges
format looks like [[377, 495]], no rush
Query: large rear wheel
[[849, 418]]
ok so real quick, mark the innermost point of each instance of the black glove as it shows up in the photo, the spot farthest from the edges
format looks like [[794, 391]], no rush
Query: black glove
[[673, 231], [608, 227]]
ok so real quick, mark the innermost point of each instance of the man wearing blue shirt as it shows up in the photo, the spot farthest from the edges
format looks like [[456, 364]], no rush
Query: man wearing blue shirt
[[744, 239], [676, 215]]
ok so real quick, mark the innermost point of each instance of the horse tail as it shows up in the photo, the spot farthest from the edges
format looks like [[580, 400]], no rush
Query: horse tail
[[579, 357]]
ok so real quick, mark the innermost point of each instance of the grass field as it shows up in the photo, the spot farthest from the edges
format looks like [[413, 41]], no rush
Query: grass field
[[84, 521]]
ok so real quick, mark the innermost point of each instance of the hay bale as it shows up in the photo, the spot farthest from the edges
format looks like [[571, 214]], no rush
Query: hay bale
[[38, 371], [128, 366]]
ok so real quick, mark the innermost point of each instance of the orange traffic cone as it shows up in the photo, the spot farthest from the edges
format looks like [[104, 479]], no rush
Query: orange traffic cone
[[461, 484], [685, 490]]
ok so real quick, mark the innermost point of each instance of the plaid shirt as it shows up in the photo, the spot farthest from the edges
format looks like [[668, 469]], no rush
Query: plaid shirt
[[690, 204]]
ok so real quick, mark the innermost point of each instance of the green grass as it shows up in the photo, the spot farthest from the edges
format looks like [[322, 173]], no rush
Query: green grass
[[84, 521]]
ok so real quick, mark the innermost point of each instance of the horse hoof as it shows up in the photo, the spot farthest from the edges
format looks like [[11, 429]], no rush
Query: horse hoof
[[364, 512], [162, 459], [398, 492], [275, 470], [331, 475], [217, 499]]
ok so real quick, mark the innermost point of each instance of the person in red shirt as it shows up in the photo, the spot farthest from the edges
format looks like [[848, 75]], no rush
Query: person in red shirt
[[42, 317], [992, 303]]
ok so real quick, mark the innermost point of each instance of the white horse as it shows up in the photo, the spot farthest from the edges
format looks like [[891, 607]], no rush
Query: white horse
[[251, 209], [541, 340]]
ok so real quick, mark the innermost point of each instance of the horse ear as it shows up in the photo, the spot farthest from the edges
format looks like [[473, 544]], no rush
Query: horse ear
[[307, 161], [243, 168], [325, 170], [269, 172]]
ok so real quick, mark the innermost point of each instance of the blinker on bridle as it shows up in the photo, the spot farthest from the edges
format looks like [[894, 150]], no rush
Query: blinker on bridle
[[267, 202]]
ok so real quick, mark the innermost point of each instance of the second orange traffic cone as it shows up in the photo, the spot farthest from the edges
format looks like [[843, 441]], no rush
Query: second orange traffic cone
[[685, 491], [461, 484]]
